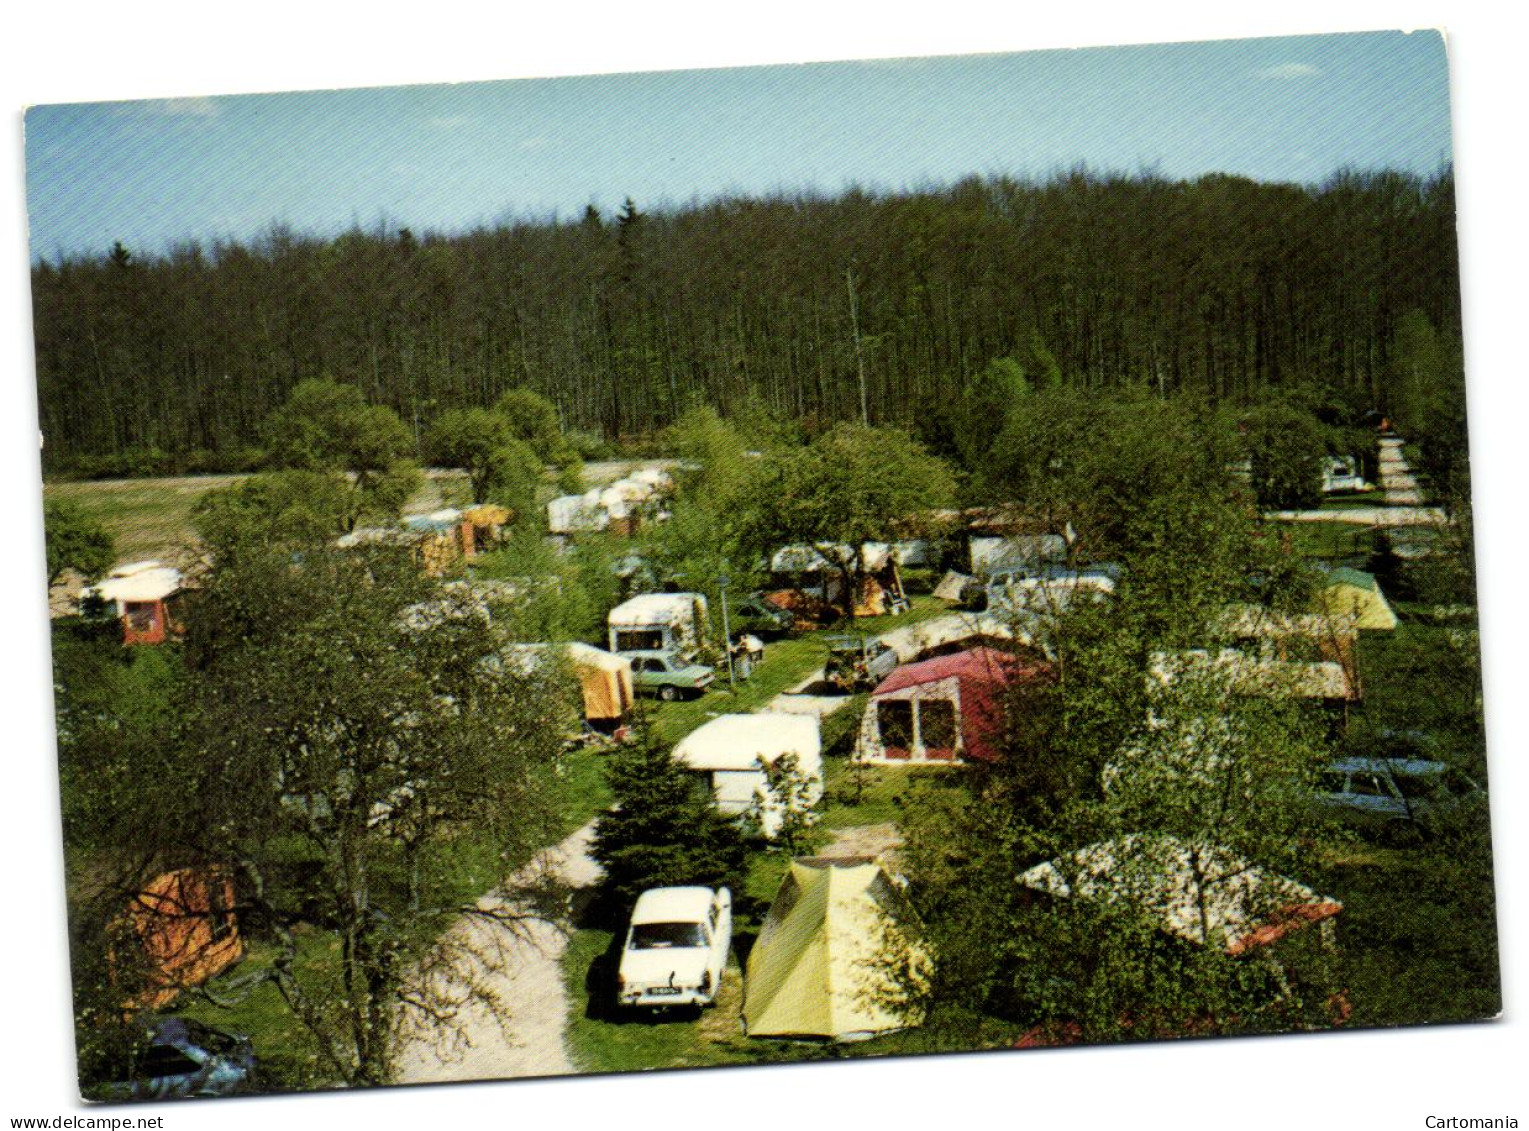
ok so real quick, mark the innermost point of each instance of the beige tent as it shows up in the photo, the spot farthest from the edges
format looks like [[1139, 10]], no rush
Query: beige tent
[[1196, 891], [606, 681], [820, 965]]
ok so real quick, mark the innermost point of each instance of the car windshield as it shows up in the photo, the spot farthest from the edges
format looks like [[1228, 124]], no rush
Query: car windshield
[[656, 936]]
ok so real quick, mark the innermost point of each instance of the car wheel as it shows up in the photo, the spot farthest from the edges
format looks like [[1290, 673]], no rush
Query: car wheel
[[668, 694]]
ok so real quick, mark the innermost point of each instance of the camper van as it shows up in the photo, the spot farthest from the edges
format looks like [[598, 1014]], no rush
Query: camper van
[[659, 622]]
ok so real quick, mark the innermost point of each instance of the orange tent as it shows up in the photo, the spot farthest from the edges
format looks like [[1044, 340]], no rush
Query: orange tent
[[185, 930]]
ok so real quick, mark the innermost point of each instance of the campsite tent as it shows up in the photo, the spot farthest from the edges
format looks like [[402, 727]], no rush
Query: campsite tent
[[951, 633], [1354, 593], [944, 709], [178, 931], [605, 680], [817, 570], [659, 622], [1326, 681], [729, 749], [1192, 890], [817, 969]]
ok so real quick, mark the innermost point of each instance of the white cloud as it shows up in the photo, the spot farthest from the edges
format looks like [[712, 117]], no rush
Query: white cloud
[[1290, 71], [533, 143]]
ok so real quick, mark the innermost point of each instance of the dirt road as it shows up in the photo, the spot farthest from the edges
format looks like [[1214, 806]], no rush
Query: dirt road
[[525, 974]]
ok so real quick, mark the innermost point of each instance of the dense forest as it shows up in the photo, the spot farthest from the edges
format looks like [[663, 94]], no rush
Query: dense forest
[[875, 306]]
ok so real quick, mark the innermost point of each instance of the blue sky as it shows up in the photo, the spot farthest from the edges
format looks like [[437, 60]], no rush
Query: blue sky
[[449, 157]]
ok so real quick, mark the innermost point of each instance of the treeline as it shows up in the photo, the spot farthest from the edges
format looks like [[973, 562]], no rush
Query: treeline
[[824, 309]]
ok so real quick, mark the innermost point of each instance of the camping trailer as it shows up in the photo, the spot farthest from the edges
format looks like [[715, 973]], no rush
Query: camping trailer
[[143, 595], [659, 622], [729, 748]]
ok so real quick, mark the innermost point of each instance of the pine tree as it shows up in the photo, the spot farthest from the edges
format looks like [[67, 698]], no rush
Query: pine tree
[[663, 830]]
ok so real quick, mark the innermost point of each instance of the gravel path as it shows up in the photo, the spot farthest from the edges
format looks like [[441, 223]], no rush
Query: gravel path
[[524, 972]]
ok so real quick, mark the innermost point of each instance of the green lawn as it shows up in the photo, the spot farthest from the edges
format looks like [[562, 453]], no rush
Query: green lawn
[[602, 1039], [287, 1052], [149, 518], [1331, 541]]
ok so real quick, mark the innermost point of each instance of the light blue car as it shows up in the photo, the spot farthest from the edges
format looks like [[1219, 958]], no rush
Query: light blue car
[[177, 1058]]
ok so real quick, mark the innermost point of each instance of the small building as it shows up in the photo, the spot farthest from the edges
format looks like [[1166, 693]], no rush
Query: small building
[[1357, 595], [819, 969], [143, 595], [730, 748], [177, 932], [659, 622], [946, 709]]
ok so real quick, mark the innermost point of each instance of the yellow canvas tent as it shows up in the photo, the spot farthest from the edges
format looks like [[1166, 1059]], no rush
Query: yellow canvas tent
[[819, 968], [1354, 593], [605, 680]]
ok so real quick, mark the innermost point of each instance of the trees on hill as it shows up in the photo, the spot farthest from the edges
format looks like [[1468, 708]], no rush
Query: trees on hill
[[1221, 287]]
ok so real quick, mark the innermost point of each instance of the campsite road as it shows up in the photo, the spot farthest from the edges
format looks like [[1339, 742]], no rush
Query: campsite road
[[800, 701], [524, 972], [1368, 516]]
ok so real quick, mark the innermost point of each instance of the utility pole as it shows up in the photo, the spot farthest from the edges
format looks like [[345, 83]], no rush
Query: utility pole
[[727, 635]]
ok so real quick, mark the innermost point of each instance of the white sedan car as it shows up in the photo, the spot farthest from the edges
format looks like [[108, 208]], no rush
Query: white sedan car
[[676, 947]]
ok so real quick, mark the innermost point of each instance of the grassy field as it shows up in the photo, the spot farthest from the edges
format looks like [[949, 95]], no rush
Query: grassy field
[[148, 518], [151, 518]]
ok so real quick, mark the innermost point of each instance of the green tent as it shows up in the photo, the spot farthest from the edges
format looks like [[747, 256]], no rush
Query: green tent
[[1354, 593], [823, 964]]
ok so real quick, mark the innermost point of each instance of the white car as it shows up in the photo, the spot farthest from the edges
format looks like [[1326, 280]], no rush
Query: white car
[[676, 947]]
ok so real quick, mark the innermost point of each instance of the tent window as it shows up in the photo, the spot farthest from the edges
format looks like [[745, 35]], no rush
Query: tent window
[[937, 728], [896, 719]]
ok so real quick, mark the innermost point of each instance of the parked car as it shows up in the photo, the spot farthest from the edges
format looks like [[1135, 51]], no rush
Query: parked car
[[755, 615], [857, 663], [676, 947], [174, 1058], [668, 676], [1389, 795]]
